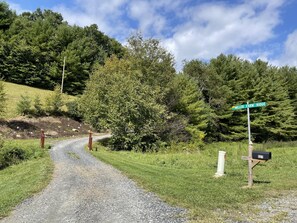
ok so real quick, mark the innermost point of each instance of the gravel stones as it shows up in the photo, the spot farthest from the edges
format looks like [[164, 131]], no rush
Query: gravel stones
[[84, 189]]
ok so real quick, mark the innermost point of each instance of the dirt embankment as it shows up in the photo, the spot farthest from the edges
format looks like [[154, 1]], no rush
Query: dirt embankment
[[24, 127]]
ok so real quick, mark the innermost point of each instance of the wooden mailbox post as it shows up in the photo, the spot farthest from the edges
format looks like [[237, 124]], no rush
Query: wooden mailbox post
[[252, 160]]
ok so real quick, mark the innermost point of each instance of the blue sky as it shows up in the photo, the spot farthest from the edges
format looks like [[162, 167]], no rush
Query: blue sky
[[191, 29]]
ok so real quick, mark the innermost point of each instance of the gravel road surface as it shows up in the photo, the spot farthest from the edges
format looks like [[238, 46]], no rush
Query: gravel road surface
[[84, 189]]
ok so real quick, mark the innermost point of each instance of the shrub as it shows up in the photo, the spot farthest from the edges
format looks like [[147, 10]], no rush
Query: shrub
[[24, 105], [73, 110], [14, 152], [54, 103], [38, 106], [10, 156]]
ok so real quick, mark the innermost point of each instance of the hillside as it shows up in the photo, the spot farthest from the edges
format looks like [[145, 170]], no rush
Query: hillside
[[33, 46], [14, 126], [14, 92]]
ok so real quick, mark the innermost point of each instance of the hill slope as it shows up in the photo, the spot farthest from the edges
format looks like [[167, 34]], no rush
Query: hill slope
[[14, 126], [14, 92]]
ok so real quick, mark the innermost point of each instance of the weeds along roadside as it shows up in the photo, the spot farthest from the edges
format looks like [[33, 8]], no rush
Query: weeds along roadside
[[25, 169], [186, 178]]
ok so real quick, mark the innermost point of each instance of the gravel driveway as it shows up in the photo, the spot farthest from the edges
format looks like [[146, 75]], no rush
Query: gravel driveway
[[84, 189]]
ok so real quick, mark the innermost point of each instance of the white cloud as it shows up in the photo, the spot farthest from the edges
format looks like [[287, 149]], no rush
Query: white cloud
[[150, 21], [289, 56], [188, 28], [107, 14], [218, 28], [120, 18], [17, 8]]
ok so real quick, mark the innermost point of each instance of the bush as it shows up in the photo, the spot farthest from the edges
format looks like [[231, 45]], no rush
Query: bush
[[54, 103], [24, 105], [11, 156], [38, 111], [73, 110], [14, 152]]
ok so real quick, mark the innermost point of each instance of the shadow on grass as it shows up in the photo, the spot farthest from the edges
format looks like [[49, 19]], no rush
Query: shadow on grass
[[262, 182]]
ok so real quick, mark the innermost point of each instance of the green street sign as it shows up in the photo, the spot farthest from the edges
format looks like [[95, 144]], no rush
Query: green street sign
[[254, 105]]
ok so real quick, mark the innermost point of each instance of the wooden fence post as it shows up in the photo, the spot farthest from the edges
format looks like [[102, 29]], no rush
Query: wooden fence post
[[90, 140], [42, 136]]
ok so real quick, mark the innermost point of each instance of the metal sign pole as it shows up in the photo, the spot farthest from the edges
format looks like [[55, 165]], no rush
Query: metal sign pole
[[250, 149], [250, 162]]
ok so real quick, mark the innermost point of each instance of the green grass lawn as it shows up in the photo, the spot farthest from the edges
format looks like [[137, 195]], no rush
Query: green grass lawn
[[21, 181], [14, 92], [186, 179]]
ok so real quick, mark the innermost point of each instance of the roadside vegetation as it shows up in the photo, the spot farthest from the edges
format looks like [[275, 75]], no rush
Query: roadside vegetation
[[185, 177], [173, 122], [22, 99], [25, 170]]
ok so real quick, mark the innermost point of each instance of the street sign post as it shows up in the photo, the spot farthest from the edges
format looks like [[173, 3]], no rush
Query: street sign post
[[247, 106]]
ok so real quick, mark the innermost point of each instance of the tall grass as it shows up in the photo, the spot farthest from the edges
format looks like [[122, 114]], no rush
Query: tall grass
[[18, 182], [186, 179]]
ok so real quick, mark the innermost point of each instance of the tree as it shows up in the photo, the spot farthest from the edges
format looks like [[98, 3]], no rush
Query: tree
[[154, 63], [6, 16], [24, 105], [55, 102], [277, 121], [116, 99], [34, 44], [38, 110], [190, 104]]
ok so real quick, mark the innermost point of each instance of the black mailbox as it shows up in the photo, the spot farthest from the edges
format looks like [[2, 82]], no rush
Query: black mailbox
[[259, 155]]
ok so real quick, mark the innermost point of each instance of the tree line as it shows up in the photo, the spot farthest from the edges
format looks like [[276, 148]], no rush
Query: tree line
[[34, 44], [135, 90], [146, 103]]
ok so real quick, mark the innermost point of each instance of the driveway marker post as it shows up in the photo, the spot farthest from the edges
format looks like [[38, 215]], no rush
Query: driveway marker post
[[42, 136], [90, 140]]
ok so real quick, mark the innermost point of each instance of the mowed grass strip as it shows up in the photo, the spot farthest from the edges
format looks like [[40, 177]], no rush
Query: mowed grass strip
[[186, 179], [21, 181], [14, 92]]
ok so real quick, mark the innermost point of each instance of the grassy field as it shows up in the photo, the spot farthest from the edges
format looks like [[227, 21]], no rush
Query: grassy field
[[186, 179], [14, 92], [21, 181]]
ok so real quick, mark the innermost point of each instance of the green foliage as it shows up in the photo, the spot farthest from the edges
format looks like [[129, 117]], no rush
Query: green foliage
[[14, 92], [140, 99], [38, 110], [3, 98], [186, 179], [21, 181], [12, 153], [73, 110], [54, 102], [116, 99], [190, 103], [11, 156], [24, 105], [154, 63], [227, 81], [34, 44], [6, 16]]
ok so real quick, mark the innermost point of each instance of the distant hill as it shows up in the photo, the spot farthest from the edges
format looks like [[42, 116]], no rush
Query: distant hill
[[14, 92], [34, 45]]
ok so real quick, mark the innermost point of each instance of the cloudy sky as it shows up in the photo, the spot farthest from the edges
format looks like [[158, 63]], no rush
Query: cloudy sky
[[191, 29]]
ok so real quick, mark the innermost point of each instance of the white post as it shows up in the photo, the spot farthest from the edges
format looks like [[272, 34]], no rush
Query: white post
[[221, 164]]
